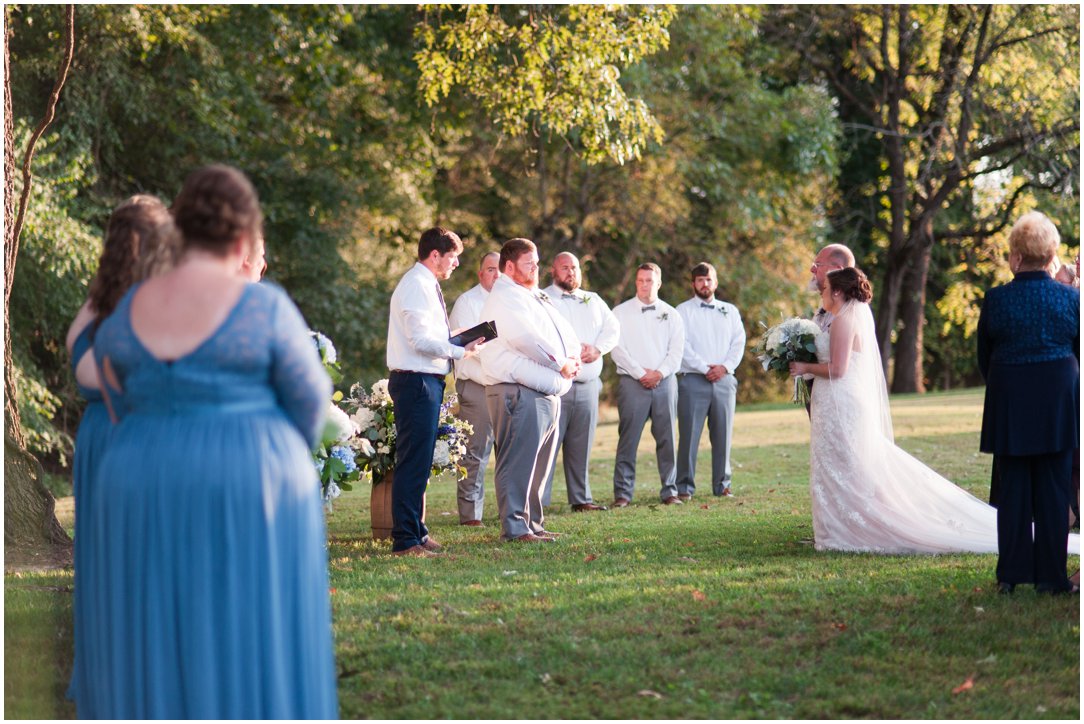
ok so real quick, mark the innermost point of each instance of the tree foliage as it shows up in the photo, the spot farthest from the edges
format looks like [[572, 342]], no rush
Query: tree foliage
[[548, 69], [970, 114]]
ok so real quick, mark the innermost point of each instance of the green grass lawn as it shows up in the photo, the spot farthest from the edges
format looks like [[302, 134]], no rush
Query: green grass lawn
[[716, 609]]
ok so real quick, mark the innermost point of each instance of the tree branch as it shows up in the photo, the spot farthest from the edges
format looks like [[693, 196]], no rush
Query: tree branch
[[11, 252]]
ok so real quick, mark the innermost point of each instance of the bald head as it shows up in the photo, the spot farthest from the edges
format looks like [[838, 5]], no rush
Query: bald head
[[566, 271], [830, 258]]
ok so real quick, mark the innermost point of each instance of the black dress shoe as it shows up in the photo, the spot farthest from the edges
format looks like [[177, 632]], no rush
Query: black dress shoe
[[1005, 588]]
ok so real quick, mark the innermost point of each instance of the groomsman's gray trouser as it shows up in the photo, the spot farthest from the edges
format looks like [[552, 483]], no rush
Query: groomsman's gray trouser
[[575, 438], [471, 489], [524, 441], [635, 405], [698, 400]]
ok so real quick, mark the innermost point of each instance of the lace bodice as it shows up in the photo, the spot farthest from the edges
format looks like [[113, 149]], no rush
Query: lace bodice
[[260, 357]]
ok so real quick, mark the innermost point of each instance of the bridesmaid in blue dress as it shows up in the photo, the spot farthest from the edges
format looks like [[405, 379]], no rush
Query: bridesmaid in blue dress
[[137, 229], [207, 526]]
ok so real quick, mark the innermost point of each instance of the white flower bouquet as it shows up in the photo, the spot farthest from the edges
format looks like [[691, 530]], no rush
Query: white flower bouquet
[[794, 340], [374, 445]]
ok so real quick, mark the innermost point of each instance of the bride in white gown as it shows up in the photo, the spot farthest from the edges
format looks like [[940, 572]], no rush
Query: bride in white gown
[[867, 493]]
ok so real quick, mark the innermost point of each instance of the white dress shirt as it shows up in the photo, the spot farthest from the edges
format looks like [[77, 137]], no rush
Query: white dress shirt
[[714, 335], [418, 325], [650, 340], [592, 321], [467, 312], [533, 340]]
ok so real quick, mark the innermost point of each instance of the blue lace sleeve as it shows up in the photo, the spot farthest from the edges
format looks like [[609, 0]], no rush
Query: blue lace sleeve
[[297, 375]]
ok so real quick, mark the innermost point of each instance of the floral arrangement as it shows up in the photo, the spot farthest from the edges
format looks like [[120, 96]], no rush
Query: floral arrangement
[[359, 435], [374, 418], [793, 340]]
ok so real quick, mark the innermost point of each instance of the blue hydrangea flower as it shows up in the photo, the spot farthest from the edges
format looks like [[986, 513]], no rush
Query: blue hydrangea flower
[[346, 456]]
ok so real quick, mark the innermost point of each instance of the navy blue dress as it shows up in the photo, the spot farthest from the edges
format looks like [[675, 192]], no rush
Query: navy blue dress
[[91, 439], [206, 529], [1028, 352]]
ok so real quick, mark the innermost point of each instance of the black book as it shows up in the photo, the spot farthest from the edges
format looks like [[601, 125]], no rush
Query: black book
[[487, 330]]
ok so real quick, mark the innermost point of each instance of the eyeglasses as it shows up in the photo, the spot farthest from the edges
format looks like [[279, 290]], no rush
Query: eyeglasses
[[818, 264]]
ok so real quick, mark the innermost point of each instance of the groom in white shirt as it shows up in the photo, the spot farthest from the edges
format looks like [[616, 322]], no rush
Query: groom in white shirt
[[526, 369], [707, 388], [647, 357]]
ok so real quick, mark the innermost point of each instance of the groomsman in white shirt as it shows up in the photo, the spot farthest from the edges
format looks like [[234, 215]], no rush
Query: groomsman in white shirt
[[467, 312], [647, 357], [419, 356], [707, 388], [526, 369], [598, 331]]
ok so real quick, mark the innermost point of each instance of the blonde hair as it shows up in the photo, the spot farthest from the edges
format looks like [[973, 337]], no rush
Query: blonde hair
[[1035, 239]]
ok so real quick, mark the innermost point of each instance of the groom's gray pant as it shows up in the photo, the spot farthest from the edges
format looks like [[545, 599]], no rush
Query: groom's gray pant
[[635, 406], [575, 438], [471, 489], [524, 441], [700, 400]]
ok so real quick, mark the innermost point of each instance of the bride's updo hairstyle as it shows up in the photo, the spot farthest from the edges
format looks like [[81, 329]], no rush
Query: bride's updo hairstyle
[[851, 283], [216, 206]]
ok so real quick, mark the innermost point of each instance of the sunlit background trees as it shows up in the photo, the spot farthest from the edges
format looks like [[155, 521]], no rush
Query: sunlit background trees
[[744, 136]]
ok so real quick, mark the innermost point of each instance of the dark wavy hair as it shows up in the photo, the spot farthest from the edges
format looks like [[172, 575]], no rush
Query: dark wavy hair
[[851, 283], [440, 240], [216, 206], [135, 224]]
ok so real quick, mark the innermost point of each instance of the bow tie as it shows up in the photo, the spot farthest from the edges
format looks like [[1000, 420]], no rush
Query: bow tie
[[650, 308], [568, 296], [705, 304]]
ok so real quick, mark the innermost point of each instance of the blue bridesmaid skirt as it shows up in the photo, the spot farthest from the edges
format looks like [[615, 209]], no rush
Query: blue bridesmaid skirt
[[208, 573]]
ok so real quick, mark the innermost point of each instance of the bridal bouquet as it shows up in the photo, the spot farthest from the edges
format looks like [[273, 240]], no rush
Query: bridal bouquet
[[794, 340]]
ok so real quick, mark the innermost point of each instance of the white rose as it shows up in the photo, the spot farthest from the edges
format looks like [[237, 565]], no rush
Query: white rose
[[808, 326], [364, 418], [365, 447], [343, 427], [380, 392], [775, 339], [383, 449]]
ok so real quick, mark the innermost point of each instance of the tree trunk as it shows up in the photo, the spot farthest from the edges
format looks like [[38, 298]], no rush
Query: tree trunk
[[908, 375], [32, 535]]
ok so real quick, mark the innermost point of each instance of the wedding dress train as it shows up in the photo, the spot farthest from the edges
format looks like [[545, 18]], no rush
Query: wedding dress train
[[867, 493]]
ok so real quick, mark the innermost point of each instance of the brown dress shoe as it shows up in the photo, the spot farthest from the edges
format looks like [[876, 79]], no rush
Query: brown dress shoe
[[530, 538], [584, 507], [473, 523], [673, 500], [621, 503], [431, 545], [549, 534], [415, 551], [684, 497]]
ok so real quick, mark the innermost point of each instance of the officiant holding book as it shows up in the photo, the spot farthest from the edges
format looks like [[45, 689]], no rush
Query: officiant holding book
[[419, 357], [526, 369]]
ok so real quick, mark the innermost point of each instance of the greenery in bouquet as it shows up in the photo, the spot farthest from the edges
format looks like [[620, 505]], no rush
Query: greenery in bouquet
[[793, 340]]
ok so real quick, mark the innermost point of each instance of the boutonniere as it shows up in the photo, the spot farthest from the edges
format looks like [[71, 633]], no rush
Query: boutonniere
[[722, 309], [585, 299], [664, 316]]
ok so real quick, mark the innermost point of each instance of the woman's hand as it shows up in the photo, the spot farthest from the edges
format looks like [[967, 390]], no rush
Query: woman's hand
[[798, 368]]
